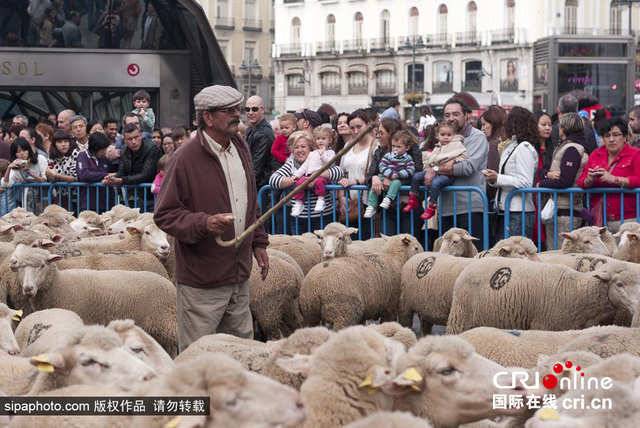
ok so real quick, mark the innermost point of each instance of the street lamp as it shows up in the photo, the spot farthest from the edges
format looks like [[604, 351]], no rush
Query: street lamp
[[413, 45], [243, 67]]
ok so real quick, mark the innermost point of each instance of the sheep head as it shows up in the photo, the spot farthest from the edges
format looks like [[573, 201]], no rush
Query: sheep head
[[457, 242], [152, 239], [33, 267], [516, 247], [334, 240], [586, 240], [142, 346], [623, 283]]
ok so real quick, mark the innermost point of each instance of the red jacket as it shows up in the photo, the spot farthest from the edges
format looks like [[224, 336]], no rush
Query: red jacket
[[194, 186], [628, 166], [280, 150]]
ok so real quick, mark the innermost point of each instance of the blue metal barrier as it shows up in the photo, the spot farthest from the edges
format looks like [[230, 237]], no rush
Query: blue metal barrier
[[571, 191], [68, 196], [283, 216]]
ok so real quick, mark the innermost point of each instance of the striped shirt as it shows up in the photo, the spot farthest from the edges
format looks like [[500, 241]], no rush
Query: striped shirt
[[401, 165], [288, 169]]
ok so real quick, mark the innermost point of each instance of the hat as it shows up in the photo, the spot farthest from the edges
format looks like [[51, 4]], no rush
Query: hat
[[310, 115], [217, 97]]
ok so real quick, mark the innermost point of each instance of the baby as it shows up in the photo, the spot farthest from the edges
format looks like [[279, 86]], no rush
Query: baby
[[157, 182], [279, 149], [325, 138], [395, 165], [449, 148], [141, 101]]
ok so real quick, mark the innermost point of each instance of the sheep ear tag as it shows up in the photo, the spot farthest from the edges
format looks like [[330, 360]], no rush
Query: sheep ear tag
[[174, 423], [549, 414], [412, 374], [43, 363], [368, 383], [17, 315]]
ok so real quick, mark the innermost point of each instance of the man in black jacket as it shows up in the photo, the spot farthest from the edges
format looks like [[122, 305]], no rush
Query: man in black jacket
[[260, 139], [138, 162]]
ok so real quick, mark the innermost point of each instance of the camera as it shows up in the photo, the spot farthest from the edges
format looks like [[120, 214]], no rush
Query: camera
[[23, 163]]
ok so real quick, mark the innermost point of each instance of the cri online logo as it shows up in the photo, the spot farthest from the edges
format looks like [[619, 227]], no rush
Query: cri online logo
[[550, 381]]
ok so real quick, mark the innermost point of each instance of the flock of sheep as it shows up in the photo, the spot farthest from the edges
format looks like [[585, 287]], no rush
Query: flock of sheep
[[89, 309]]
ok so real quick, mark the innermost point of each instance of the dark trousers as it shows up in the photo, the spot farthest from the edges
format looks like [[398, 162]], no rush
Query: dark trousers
[[463, 223]]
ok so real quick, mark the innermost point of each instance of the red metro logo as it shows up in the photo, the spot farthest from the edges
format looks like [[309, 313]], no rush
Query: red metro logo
[[133, 69]]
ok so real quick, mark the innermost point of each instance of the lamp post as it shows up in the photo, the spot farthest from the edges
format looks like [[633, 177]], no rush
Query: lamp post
[[414, 44], [243, 67]]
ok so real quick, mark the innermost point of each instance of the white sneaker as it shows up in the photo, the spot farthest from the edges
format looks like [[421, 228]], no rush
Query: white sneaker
[[369, 212], [297, 208], [320, 204], [385, 203]]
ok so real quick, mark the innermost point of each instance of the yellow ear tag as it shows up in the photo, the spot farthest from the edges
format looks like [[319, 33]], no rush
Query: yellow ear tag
[[173, 423], [367, 382], [17, 315], [133, 232], [549, 414], [43, 365], [412, 374], [41, 358]]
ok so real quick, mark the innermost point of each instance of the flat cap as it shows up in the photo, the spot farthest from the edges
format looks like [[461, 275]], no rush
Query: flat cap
[[217, 97], [314, 118]]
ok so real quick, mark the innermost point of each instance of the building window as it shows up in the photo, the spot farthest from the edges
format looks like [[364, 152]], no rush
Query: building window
[[571, 16], [331, 29], [615, 18], [222, 10], [510, 20], [472, 76], [224, 47], [472, 13], [442, 20], [414, 15], [295, 32], [250, 9], [415, 85], [295, 84], [357, 27], [385, 18], [358, 83], [330, 83], [386, 82], [249, 52]]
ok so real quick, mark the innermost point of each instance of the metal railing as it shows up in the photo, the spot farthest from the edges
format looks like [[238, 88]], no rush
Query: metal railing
[[266, 194], [472, 85], [291, 49], [97, 197], [355, 46], [573, 193], [385, 88], [504, 36], [252, 24], [381, 45], [330, 90], [471, 38], [358, 89], [327, 48], [224, 23], [414, 87]]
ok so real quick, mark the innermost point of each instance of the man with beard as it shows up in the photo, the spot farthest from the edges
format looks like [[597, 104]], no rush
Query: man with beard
[[209, 190], [634, 125], [467, 173]]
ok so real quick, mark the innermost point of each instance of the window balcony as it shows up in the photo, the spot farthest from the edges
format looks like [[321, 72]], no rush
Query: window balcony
[[381, 45], [503, 37], [295, 90], [355, 46], [291, 50], [442, 87], [252, 25], [437, 41], [330, 90], [385, 88], [225, 23], [358, 89], [472, 86], [327, 48], [410, 88], [472, 38]]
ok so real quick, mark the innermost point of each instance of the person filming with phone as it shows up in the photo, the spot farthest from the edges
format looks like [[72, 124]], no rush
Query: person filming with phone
[[614, 164]]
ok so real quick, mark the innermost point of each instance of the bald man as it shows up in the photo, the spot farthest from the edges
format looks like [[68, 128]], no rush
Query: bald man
[[63, 120], [260, 139]]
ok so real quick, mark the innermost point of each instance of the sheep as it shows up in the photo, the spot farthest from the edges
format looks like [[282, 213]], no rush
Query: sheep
[[21, 216], [142, 346], [93, 219], [55, 221], [517, 247], [593, 239], [274, 302], [88, 354], [516, 348], [238, 398], [250, 353], [395, 331], [606, 341], [40, 332], [58, 210], [305, 252], [335, 237], [84, 229], [625, 228], [8, 342], [301, 342], [99, 297], [8, 230], [13, 368], [456, 242], [630, 250], [372, 245], [336, 291], [517, 294], [443, 380], [344, 376], [140, 261], [390, 420]]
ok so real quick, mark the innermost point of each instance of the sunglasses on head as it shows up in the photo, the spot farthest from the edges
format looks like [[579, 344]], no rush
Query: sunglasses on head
[[253, 109]]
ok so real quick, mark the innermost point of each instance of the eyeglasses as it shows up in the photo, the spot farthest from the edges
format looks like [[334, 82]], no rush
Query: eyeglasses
[[613, 134], [253, 109]]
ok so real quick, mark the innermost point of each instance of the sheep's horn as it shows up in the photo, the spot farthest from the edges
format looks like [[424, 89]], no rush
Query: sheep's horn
[[300, 188]]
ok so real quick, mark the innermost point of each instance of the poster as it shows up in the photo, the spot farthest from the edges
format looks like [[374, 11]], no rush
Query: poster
[[509, 75]]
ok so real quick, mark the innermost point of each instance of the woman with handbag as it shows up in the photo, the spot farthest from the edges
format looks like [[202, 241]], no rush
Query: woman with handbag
[[354, 166], [615, 164], [518, 169], [568, 162]]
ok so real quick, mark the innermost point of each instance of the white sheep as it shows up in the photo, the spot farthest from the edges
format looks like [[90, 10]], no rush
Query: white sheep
[[390, 420], [443, 380], [345, 376], [519, 294], [348, 290], [21, 216], [84, 229], [142, 346], [8, 317], [630, 250], [606, 341], [517, 247], [625, 228], [335, 238], [592, 239], [306, 252], [40, 332], [456, 242], [99, 297]]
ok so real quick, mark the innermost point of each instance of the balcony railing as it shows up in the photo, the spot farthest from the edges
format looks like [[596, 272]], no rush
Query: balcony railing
[[385, 88], [355, 46], [410, 87], [256, 72], [330, 90], [472, 38], [358, 89], [291, 49], [295, 90], [472, 86], [225, 23], [577, 31], [407, 43], [293, 1], [442, 87], [252, 25], [327, 48], [381, 45], [435, 41], [505, 36]]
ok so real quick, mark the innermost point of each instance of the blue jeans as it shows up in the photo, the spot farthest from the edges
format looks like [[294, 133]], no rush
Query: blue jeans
[[433, 191], [515, 224]]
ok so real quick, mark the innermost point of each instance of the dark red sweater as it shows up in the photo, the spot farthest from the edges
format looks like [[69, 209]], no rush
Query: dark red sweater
[[279, 149]]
